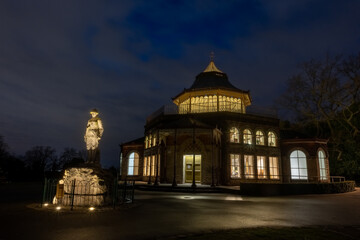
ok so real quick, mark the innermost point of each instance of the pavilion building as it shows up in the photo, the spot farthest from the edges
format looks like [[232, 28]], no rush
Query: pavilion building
[[212, 135]]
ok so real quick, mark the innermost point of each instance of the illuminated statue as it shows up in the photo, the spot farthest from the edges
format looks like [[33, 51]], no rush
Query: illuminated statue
[[93, 134]]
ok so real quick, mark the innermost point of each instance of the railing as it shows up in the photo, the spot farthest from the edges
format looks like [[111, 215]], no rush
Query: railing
[[254, 110], [337, 179], [86, 194]]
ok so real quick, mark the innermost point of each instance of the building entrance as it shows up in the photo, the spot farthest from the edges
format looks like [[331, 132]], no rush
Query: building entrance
[[188, 168]]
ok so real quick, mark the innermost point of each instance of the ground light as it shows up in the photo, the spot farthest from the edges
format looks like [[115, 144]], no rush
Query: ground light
[[46, 204], [91, 209], [58, 208]]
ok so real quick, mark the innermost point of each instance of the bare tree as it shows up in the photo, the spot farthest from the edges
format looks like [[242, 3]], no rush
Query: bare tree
[[70, 156], [327, 91], [39, 159]]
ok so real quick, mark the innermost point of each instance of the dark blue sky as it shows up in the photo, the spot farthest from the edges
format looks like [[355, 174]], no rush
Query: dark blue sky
[[59, 59]]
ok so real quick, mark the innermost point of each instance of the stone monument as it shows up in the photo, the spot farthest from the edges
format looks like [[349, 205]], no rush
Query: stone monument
[[93, 134], [87, 184]]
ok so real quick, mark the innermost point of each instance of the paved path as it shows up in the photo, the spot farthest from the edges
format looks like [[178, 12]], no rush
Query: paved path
[[158, 214]]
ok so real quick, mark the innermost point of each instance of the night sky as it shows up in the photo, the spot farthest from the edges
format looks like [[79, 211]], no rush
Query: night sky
[[60, 59]]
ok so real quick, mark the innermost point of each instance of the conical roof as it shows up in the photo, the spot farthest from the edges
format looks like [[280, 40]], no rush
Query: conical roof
[[211, 81], [212, 77], [212, 68]]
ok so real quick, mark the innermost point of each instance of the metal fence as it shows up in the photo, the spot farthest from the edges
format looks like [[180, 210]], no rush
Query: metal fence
[[77, 193]]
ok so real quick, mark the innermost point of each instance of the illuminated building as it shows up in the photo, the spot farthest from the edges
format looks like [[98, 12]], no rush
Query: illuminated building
[[212, 135]]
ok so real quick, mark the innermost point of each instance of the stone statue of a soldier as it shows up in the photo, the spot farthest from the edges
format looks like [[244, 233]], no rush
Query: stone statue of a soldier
[[93, 134]]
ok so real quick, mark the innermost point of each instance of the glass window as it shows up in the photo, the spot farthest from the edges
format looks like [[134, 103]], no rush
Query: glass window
[[261, 169], [158, 164], [153, 165], [249, 166], [260, 139], [148, 166], [322, 166], [298, 165], [234, 135], [150, 141], [133, 168], [146, 142], [274, 168], [154, 141], [235, 165], [145, 166], [247, 136], [272, 139]]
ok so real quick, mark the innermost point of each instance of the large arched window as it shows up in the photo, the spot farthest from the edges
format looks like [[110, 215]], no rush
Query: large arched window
[[234, 135], [298, 165], [247, 136], [272, 139], [260, 139], [133, 168], [150, 141], [322, 165]]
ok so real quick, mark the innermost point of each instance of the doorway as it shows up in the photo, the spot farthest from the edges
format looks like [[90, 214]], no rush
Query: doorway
[[188, 168]]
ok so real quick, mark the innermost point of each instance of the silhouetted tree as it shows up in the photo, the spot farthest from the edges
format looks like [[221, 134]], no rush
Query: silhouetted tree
[[40, 159], [12, 168], [4, 149], [325, 100], [70, 157]]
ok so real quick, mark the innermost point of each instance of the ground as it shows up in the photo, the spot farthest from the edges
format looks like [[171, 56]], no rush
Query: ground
[[158, 215]]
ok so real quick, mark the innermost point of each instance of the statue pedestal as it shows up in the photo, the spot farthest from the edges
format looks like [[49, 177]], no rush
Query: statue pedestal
[[85, 186]]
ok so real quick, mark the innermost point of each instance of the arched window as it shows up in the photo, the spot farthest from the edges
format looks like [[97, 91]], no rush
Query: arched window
[[133, 168], [234, 135], [247, 136], [146, 142], [272, 139], [322, 166], [298, 165], [260, 139], [150, 141]]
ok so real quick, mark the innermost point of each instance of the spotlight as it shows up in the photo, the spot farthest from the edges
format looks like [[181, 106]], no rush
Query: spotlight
[[91, 208], [46, 204], [58, 208]]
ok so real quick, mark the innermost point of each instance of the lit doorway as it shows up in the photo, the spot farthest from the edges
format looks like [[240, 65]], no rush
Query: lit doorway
[[188, 168]]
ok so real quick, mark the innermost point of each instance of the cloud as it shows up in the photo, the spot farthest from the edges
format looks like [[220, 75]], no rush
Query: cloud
[[60, 59]]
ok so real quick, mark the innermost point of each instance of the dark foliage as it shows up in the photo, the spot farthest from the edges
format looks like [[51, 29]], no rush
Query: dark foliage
[[324, 99]]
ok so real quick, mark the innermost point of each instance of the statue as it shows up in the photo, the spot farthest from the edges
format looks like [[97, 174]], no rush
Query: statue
[[93, 134]]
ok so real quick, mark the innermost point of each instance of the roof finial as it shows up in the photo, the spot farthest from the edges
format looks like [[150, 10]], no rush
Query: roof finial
[[212, 56]]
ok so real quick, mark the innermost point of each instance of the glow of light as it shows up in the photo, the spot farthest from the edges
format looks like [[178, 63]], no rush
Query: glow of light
[[91, 208], [58, 208], [61, 181], [187, 197], [46, 204]]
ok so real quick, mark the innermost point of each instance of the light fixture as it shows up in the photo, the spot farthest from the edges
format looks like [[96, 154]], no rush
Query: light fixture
[[46, 204], [91, 208], [58, 208]]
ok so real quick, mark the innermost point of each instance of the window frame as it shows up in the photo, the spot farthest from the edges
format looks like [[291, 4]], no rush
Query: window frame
[[297, 166], [323, 169], [235, 165], [270, 138], [274, 170], [249, 174], [261, 165], [259, 138], [247, 136], [135, 164], [234, 134]]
